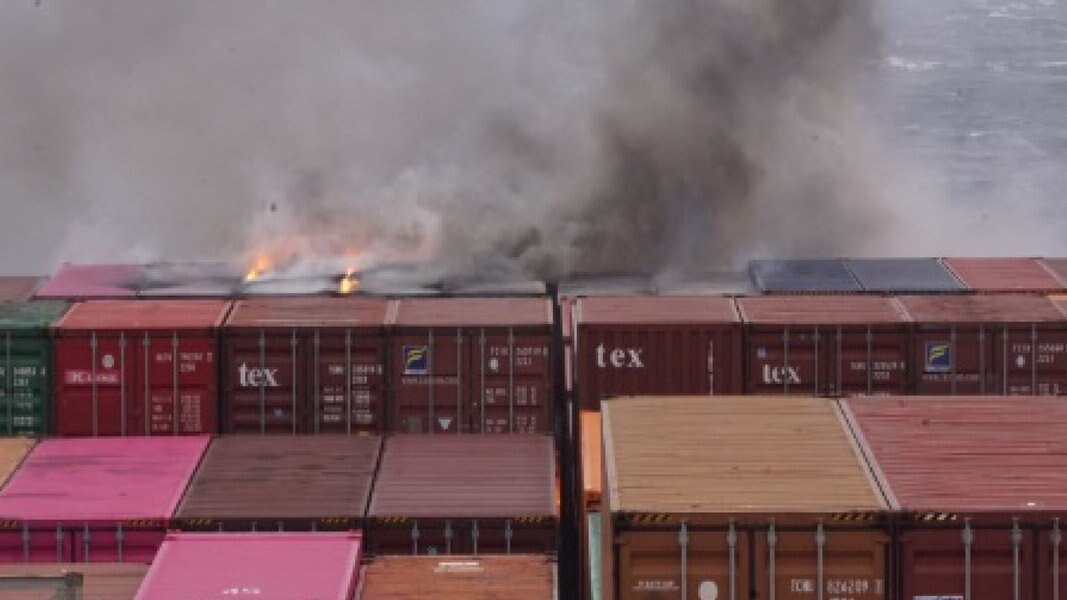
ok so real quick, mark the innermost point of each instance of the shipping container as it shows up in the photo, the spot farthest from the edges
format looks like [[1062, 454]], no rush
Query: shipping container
[[26, 366], [1058, 268], [825, 345], [188, 280], [989, 275], [12, 452], [95, 499], [19, 289], [738, 497], [629, 345], [100, 581], [608, 284], [464, 495], [1008, 344], [269, 566], [516, 577], [903, 275], [472, 365], [980, 488], [305, 365], [139, 367], [803, 276], [281, 483], [86, 282]]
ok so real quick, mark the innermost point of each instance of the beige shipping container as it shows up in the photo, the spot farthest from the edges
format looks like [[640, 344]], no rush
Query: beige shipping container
[[513, 577], [12, 451], [733, 498]]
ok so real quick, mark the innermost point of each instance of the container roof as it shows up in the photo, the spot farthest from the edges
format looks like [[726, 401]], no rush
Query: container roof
[[613, 310], [732, 455], [808, 275], [100, 581], [717, 283], [188, 280], [903, 275], [283, 477], [518, 577], [18, 289], [279, 566], [1006, 308], [309, 312], [101, 479], [967, 454], [145, 314], [821, 310], [473, 312], [92, 281], [606, 285], [1004, 275], [1056, 266], [484, 476], [31, 315]]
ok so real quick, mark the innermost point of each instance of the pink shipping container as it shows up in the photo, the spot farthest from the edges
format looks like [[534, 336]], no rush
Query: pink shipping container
[[85, 282], [95, 500], [264, 566], [990, 275], [138, 367]]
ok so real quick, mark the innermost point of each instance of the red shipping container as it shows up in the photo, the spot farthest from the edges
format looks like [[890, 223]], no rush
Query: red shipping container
[[138, 368], [98, 500], [987, 344], [990, 275], [305, 365], [634, 345], [472, 365], [825, 345]]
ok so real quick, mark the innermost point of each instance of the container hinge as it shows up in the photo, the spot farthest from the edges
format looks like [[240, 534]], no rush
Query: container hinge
[[968, 542], [683, 545], [772, 546], [474, 535], [448, 536]]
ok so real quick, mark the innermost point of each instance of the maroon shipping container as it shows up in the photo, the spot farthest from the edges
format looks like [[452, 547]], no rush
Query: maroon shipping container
[[305, 365], [987, 344], [472, 365], [464, 495], [633, 345], [138, 368], [979, 483], [989, 275], [825, 345]]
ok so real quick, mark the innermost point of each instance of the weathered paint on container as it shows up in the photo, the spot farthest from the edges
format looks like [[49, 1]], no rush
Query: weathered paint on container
[[979, 483], [143, 367], [471, 365], [629, 345], [903, 275], [1009, 344], [95, 499], [813, 276], [782, 505], [464, 494], [26, 366], [281, 483], [99, 581], [305, 365], [517, 577], [991, 275], [19, 289], [12, 452], [266, 566], [825, 345], [87, 282]]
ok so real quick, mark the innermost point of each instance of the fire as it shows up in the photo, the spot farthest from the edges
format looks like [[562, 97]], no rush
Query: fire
[[348, 282], [261, 265]]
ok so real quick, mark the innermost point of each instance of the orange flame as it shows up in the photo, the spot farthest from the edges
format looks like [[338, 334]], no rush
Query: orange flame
[[348, 282], [261, 265]]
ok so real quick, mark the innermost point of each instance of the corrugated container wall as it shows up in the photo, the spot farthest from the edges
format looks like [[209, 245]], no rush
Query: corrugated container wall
[[144, 367], [1008, 344], [86, 282], [825, 345], [103, 581], [26, 366], [519, 577], [95, 500], [281, 483], [631, 345], [991, 275], [738, 497], [269, 566], [472, 365], [464, 494], [19, 289], [980, 484], [305, 365]]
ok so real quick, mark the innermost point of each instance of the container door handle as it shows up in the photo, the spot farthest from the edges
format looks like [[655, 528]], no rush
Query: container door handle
[[731, 543], [968, 542], [772, 546], [683, 547], [820, 545]]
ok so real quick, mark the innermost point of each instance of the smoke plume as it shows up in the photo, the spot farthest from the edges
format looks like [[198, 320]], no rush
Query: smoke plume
[[479, 134]]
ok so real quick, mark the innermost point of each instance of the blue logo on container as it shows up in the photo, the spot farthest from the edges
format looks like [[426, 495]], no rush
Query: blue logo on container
[[416, 360], [938, 357]]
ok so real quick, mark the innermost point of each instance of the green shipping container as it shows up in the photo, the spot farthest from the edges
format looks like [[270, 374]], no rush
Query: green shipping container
[[26, 366]]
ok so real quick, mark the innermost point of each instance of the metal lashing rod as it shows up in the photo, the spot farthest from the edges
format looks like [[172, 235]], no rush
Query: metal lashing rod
[[772, 545], [683, 545], [968, 542], [1016, 541], [731, 543]]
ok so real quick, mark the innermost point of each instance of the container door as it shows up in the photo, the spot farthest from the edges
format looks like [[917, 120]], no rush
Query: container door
[[111, 544], [845, 565], [511, 383], [25, 382], [1034, 361], [668, 565], [936, 565], [347, 382], [22, 543], [954, 361], [868, 361], [95, 384], [178, 388], [428, 384], [263, 372], [789, 361]]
